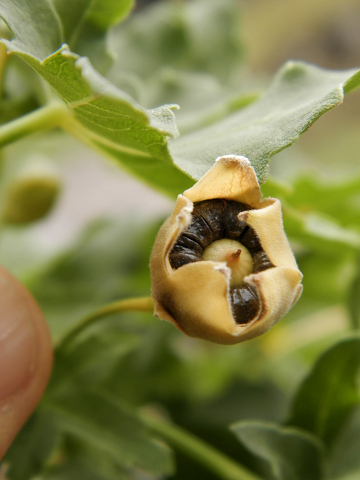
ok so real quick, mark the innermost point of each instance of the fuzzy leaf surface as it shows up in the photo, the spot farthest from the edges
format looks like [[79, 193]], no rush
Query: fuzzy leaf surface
[[110, 428], [92, 272], [78, 469], [33, 445], [289, 454], [298, 95], [330, 392], [345, 460], [85, 29], [34, 24], [89, 361], [101, 115], [111, 122], [199, 36]]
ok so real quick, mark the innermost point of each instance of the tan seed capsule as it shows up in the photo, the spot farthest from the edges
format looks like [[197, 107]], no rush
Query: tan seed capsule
[[221, 266]]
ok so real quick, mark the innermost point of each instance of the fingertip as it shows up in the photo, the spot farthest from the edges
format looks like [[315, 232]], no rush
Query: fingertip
[[25, 356]]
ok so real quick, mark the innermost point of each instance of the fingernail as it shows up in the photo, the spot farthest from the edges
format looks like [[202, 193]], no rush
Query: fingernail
[[17, 338]]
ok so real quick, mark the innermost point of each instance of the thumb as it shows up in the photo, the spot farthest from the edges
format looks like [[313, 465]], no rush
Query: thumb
[[25, 357]]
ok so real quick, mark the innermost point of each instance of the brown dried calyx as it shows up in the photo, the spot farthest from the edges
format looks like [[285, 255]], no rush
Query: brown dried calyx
[[221, 266]]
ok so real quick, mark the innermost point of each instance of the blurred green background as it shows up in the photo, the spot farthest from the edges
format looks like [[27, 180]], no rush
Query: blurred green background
[[94, 244]]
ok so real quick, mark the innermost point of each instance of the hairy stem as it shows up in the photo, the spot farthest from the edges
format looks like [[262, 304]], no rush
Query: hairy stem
[[196, 448], [140, 304], [46, 117]]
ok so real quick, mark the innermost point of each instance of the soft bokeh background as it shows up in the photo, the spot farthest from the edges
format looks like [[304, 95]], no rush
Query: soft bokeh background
[[94, 245]]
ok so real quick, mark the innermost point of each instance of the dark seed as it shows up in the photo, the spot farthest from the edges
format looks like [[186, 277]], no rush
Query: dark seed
[[250, 240], [213, 220], [213, 212], [180, 256], [199, 231], [187, 242], [234, 228], [261, 262], [244, 303]]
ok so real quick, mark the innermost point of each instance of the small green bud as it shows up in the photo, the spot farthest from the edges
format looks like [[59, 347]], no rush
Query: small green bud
[[29, 198]]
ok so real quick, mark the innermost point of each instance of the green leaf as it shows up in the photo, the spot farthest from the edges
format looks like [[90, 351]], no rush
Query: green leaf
[[288, 453], [79, 461], [320, 232], [88, 361], [330, 392], [327, 276], [76, 469], [352, 84], [338, 200], [112, 122], [109, 260], [203, 99], [201, 36], [80, 15], [33, 445], [101, 115], [299, 95], [345, 460], [34, 24], [188, 53], [85, 24], [106, 425]]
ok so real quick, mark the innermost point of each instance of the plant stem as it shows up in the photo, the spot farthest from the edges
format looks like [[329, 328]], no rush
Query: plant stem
[[200, 451], [140, 304], [3, 59], [49, 116]]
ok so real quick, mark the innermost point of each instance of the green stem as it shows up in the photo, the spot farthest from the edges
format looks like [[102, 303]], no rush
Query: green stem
[[46, 117], [3, 59], [140, 304], [200, 451]]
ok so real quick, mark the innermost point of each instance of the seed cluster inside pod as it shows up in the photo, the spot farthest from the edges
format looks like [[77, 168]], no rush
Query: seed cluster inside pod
[[212, 221]]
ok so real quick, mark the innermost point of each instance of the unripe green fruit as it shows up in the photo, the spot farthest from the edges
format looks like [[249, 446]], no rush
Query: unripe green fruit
[[29, 198]]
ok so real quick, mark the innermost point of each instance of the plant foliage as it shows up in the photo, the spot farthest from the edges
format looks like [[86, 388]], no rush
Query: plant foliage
[[115, 79]]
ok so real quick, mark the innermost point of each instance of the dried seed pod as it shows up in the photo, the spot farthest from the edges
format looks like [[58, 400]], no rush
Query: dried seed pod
[[222, 268]]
